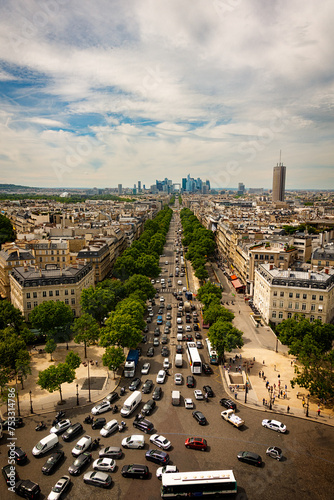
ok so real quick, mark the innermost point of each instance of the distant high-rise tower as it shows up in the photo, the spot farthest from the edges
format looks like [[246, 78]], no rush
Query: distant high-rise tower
[[119, 188], [279, 182], [139, 186]]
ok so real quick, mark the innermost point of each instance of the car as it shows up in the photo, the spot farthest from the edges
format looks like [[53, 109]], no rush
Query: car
[[188, 329], [80, 463], [147, 386], [189, 338], [250, 458], [198, 394], [166, 330], [73, 431], [179, 314], [162, 299], [139, 350], [274, 452], [152, 281], [196, 443], [52, 462], [179, 349], [13, 422], [145, 369], [135, 471], [179, 321], [148, 407], [166, 263], [151, 314], [148, 319], [111, 452], [196, 328], [97, 478], [160, 441], [98, 423], [157, 393], [112, 397], [146, 329], [82, 445], [59, 488], [27, 489], [9, 472], [198, 415], [143, 424], [18, 454], [171, 275], [169, 307], [104, 464], [150, 350], [169, 323], [179, 282], [164, 339], [101, 408], [206, 369], [199, 344], [109, 428], [208, 390], [275, 425], [61, 426], [184, 289], [228, 403], [164, 351], [161, 311], [188, 403], [156, 332], [157, 456], [161, 377], [144, 339], [167, 469], [190, 381], [135, 383], [178, 379]]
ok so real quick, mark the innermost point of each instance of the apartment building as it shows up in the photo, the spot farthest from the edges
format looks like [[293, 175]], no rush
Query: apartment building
[[30, 286], [323, 256], [97, 252], [12, 256], [279, 294]]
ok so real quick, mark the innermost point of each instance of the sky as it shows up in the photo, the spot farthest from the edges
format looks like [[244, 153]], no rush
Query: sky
[[116, 91]]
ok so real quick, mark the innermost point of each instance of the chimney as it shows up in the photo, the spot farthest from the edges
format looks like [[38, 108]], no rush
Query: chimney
[[326, 270], [271, 267]]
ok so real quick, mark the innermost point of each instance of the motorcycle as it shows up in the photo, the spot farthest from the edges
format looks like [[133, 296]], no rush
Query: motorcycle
[[122, 391], [121, 426], [114, 409], [59, 415], [95, 444], [40, 426], [89, 419]]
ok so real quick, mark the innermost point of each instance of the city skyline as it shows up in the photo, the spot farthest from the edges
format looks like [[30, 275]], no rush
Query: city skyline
[[143, 90]]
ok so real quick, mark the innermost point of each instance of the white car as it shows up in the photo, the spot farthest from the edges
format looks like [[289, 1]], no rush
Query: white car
[[179, 282], [184, 289], [82, 445], [152, 281], [161, 376], [104, 464], [59, 488], [188, 328], [179, 321], [165, 470], [188, 403], [180, 308], [166, 262], [178, 379], [198, 394], [162, 299], [275, 425], [60, 426], [146, 368], [166, 363], [160, 441], [109, 428], [101, 408]]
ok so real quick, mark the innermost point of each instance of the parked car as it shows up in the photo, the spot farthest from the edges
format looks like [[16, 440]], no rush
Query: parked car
[[18, 454], [104, 464], [250, 458], [275, 425], [82, 445], [135, 383], [198, 415], [97, 478], [13, 423], [196, 443], [27, 489], [111, 452], [147, 386], [73, 431], [228, 403], [157, 393], [52, 462], [101, 408], [9, 474], [274, 452], [167, 469], [59, 488], [160, 441], [135, 471], [190, 381], [61, 426], [157, 456], [80, 463]]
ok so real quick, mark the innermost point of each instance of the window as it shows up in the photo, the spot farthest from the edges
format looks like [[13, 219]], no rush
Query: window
[[73, 311], [63, 259], [290, 295], [261, 257], [281, 294], [289, 315], [66, 292], [275, 294], [297, 295], [303, 306], [73, 302], [72, 291], [327, 263], [41, 259], [273, 314], [50, 293], [297, 305], [281, 303], [67, 301], [28, 295], [52, 258], [290, 305], [35, 303], [34, 295], [274, 303], [280, 315], [44, 293], [57, 293], [313, 297], [312, 307], [256, 256], [311, 318], [321, 297], [304, 296], [28, 305], [320, 318], [320, 308]]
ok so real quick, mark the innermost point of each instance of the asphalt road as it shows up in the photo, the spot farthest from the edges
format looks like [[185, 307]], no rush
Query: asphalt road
[[305, 473]]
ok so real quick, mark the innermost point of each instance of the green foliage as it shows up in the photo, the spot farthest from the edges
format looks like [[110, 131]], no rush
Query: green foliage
[[215, 311], [292, 331], [142, 284], [50, 347], [73, 360], [7, 232], [224, 337], [201, 273], [86, 330], [53, 377], [11, 348], [316, 373], [99, 301], [10, 316], [51, 318], [113, 358], [209, 293], [124, 326]]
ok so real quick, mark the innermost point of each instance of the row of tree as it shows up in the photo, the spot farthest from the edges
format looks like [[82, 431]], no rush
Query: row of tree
[[7, 232]]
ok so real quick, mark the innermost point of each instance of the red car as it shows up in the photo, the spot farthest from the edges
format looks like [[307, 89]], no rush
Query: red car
[[196, 443]]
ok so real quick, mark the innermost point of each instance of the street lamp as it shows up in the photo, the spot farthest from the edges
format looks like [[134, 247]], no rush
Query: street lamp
[[31, 409], [246, 391], [271, 398], [77, 386], [89, 400], [276, 350], [308, 403]]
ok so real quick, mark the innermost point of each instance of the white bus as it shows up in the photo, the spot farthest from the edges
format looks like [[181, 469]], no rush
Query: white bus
[[201, 483], [194, 358], [213, 356]]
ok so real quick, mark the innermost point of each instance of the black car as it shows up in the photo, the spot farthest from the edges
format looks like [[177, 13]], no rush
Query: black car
[[111, 452], [147, 386], [27, 489], [179, 349], [196, 328], [139, 350], [198, 415], [14, 423], [9, 473], [250, 458], [19, 455], [98, 423], [189, 338], [112, 397], [164, 339], [143, 424], [157, 456], [72, 432], [228, 403], [164, 351], [148, 407], [157, 332], [157, 393], [206, 368], [190, 381], [80, 463], [150, 352], [208, 390], [146, 329], [144, 339], [135, 383], [52, 462], [148, 319], [135, 471]]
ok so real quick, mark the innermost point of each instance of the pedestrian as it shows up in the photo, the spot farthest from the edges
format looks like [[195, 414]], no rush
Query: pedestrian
[[206, 397], [288, 409], [278, 376], [291, 363], [240, 356], [286, 387], [239, 311], [274, 386], [282, 392], [303, 402], [259, 374], [253, 359], [263, 362], [263, 401], [266, 403], [274, 368], [96, 362], [318, 411], [236, 395]]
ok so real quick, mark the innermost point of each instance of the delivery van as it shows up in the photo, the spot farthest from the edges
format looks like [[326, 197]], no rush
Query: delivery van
[[178, 360], [131, 403], [45, 444], [176, 396], [179, 337]]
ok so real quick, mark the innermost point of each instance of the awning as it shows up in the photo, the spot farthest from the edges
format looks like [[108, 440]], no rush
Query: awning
[[237, 284]]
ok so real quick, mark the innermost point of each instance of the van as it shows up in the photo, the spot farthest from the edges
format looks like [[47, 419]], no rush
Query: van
[[131, 403], [134, 441], [45, 444], [178, 360], [179, 337], [176, 396]]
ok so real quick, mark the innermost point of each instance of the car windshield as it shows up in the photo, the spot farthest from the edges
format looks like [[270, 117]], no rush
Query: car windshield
[[57, 488]]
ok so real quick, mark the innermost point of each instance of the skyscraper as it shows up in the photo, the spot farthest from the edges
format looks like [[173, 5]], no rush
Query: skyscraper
[[119, 188], [279, 182], [139, 186]]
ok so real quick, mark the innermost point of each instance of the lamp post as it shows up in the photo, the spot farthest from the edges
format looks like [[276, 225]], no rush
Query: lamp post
[[308, 403], [31, 409], [246, 391], [276, 349], [89, 400], [271, 398], [77, 386]]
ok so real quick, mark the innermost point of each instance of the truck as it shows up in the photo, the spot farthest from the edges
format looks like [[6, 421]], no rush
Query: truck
[[231, 417], [131, 363], [189, 295], [187, 306]]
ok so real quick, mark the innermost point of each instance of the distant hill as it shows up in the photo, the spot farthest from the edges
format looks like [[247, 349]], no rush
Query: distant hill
[[11, 187]]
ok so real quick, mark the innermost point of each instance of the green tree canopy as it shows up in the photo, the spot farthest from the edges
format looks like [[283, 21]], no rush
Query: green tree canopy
[[7, 232], [224, 337], [211, 290], [12, 347], [86, 330], [214, 312], [10, 316], [113, 358], [50, 347], [73, 360], [98, 302], [292, 331], [51, 318], [53, 377], [141, 283]]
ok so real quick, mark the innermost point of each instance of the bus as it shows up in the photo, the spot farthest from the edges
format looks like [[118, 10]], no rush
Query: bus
[[213, 356], [194, 358], [195, 484]]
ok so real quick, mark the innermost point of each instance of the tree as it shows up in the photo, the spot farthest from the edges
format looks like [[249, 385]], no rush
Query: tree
[[22, 365], [73, 360], [7, 232], [53, 377], [141, 283], [292, 332], [113, 358], [201, 273], [148, 265], [121, 330], [86, 330], [215, 311], [98, 302], [51, 318], [224, 337], [50, 347], [209, 288], [10, 316], [11, 347]]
